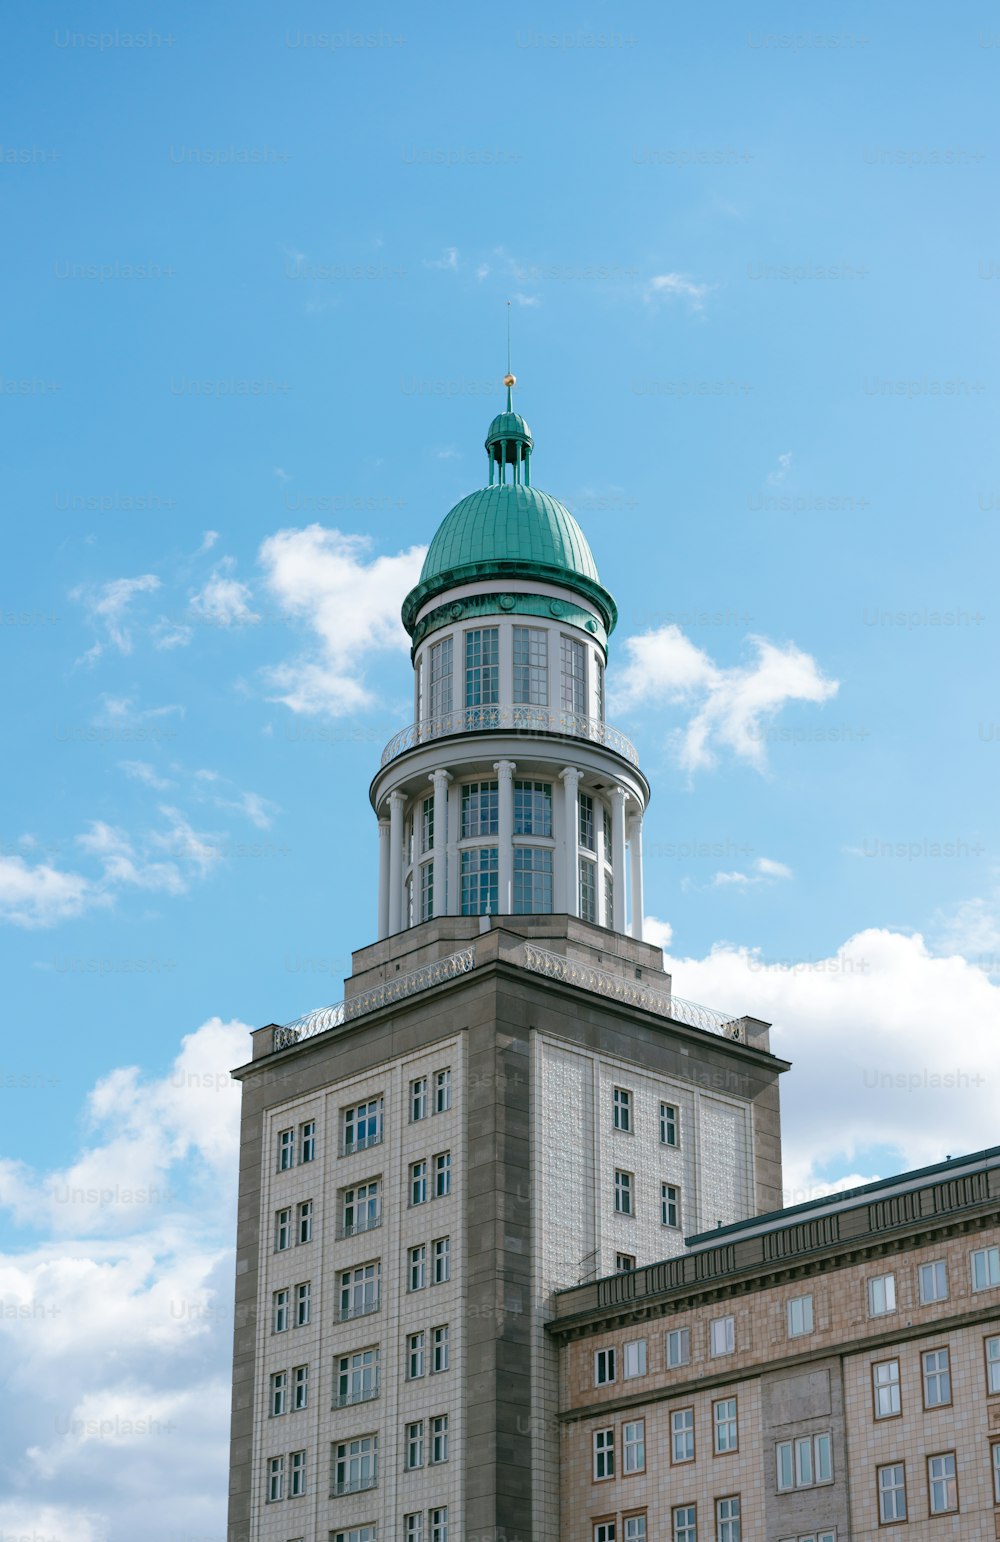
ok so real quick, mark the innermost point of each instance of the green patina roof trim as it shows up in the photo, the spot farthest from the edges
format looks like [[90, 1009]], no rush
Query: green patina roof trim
[[511, 531], [475, 605]]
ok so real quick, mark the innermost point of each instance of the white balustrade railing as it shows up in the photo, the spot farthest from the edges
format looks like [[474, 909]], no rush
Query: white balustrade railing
[[384, 994], [528, 720]]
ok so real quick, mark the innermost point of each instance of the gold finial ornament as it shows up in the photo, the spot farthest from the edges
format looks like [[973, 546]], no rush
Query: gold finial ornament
[[510, 380]]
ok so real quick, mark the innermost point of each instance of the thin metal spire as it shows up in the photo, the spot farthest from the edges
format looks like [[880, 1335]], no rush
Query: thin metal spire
[[509, 379]]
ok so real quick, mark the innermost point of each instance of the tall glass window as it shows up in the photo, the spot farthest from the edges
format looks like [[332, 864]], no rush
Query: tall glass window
[[442, 656], [480, 873], [532, 808], [588, 890], [482, 672], [426, 826], [587, 821], [427, 891], [531, 666], [599, 682], [574, 676], [480, 809], [532, 881]]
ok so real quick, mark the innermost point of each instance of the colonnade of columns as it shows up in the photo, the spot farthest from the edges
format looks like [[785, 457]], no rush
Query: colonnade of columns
[[626, 837]]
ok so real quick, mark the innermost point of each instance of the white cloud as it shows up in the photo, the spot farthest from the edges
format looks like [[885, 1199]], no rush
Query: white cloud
[[142, 771], [732, 706], [134, 1241], [527, 299], [448, 260], [656, 931], [122, 866], [765, 869], [775, 478], [893, 1048], [972, 929], [348, 601], [483, 271], [223, 601], [108, 606], [42, 895], [448, 454], [678, 286], [208, 540], [170, 634], [768, 868]]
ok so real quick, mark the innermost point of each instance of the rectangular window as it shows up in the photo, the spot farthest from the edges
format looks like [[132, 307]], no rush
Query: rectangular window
[[937, 1378], [531, 666], [418, 1099], [439, 1524], [992, 1350], [800, 1316], [305, 1221], [418, 1267], [480, 878], [279, 1394], [588, 890], [442, 1260], [574, 676], [439, 1439], [804, 1462], [442, 1174], [442, 1090], [605, 1531], [297, 1473], [282, 1230], [622, 1110], [995, 1458], [682, 1435], [586, 807], [670, 1205], [482, 676], [439, 1349], [635, 1528], [942, 1483], [604, 1453], [609, 899], [985, 1268], [934, 1281], [669, 1124], [418, 1183], [634, 1359], [725, 1424], [414, 1356], [363, 1126], [356, 1534], [892, 1492], [275, 1479], [279, 1311], [303, 1304], [723, 1335], [300, 1387], [415, 1445], [885, 1389], [307, 1141], [604, 1367], [426, 827], [361, 1208], [360, 1291], [357, 1377], [882, 1295], [685, 1523], [480, 809], [623, 1192], [442, 666], [427, 891], [532, 881], [634, 1446], [624, 1262], [414, 1526], [355, 1465], [599, 688], [286, 1149], [727, 1519], [678, 1347], [532, 808]]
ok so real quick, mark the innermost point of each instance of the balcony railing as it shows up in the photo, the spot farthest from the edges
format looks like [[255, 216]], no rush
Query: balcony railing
[[363, 1141], [355, 1485], [353, 1228], [558, 723], [366, 1395], [396, 989], [360, 1309]]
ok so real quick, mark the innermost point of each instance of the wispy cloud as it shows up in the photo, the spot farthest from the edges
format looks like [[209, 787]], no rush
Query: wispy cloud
[[765, 870], [223, 600], [108, 608], [732, 707], [677, 286], [775, 478], [448, 261]]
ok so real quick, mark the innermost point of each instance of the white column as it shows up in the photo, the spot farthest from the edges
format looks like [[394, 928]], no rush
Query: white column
[[635, 874], [603, 855], [505, 835], [397, 803], [570, 778], [383, 878], [440, 780], [454, 859], [618, 796]]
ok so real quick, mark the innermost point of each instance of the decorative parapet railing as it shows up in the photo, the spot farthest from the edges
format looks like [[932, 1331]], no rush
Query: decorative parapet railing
[[396, 989], [634, 993], [533, 720]]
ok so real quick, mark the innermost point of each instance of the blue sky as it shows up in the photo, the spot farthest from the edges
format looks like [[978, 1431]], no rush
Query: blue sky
[[256, 275]]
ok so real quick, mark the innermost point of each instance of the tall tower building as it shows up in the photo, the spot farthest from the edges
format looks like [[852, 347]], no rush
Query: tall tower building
[[509, 1100]]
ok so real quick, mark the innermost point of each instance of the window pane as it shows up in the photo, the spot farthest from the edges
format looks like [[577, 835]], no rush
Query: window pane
[[531, 666], [532, 881], [480, 876]]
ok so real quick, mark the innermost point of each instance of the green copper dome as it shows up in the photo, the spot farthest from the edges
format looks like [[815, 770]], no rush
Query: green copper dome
[[509, 530], [510, 426]]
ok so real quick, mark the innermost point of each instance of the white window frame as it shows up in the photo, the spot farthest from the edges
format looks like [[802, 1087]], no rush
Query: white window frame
[[440, 1349], [624, 1193], [985, 1263], [725, 1421], [894, 1493], [442, 1090], [670, 1125], [633, 1446], [722, 1336], [633, 1359], [670, 1206], [682, 1436], [933, 1281], [416, 1351], [419, 1099], [800, 1316], [888, 1384], [881, 1295], [606, 1359], [603, 1443], [949, 1478], [622, 1110], [681, 1337]]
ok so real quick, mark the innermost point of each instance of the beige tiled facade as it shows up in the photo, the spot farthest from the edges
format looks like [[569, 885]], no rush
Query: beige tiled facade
[[801, 1372]]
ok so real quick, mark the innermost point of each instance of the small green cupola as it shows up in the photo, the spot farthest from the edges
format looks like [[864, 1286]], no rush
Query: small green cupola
[[509, 442]]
